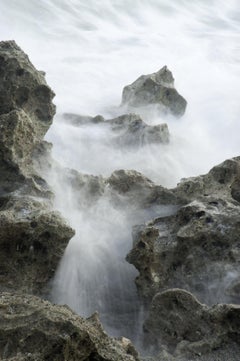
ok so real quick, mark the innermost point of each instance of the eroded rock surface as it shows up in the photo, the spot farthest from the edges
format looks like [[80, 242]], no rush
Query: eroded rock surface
[[195, 249], [128, 130], [32, 236], [156, 88], [189, 329], [34, 329], [23, 87]]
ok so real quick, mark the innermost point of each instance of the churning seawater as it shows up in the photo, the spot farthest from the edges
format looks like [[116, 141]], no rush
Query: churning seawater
[[90, 50]]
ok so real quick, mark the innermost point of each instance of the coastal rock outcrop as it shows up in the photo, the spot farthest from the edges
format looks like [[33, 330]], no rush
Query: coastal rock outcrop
[[34, 329], [128, 130], [139, 190], [195, 249], [156, 88], [189, 329], [32, 235]]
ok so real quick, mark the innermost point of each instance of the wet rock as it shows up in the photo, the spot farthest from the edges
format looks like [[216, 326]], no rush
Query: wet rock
[[23, 87], [221, 182], [32, 236], [132, 130], [195, 249], [79, 120], [140, 190], [32, 241], [87, 188], [191, 329], [156, 88], [198, 247], [128, 130], [33, 329]]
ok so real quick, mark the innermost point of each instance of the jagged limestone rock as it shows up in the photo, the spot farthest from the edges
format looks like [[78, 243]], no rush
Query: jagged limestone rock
[[156, 88], [195, 249], [23, 87], [128, 130], [140, 190], [198, 247], [34, 329], [32, 241], [32, 236], [134, 131], [188, 328]]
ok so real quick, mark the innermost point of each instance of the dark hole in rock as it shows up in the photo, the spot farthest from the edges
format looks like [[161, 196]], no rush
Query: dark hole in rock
[[33, 224], [46, 235], [43, 93], [39, 247], [42, 115], [200, 214], [3, 202], [141, 245], [22, 95], [213, 203], [20, 72]]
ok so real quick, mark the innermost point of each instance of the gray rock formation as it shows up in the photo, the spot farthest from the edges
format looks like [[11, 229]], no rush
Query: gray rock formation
[[189, 329], [35, 330], [157, 88], [32, 236], [132, 130], [127, 130], [195, 249], [139, 190], [23, 87]]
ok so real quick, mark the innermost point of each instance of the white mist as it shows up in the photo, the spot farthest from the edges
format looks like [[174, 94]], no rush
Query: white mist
[[90, 50]]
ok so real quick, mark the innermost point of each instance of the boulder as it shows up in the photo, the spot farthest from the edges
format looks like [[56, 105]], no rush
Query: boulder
[[197, 248], [191, 330], [32, 240], [156, 88], [33, 329], [138, 190], [32, 235], [131, 130]]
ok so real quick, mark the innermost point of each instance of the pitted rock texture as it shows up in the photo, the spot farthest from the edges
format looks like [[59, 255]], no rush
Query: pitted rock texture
[[34, 329], [32, 241], [195, 249], [23, 87], [32, 236], [156, 88], [198, 247], [26, 112], [191, 330]]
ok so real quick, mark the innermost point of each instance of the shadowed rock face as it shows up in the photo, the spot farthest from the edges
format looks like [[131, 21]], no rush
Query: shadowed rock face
[[32, 236], [33, 329], [191, 329], [156, 88], [195, 249]]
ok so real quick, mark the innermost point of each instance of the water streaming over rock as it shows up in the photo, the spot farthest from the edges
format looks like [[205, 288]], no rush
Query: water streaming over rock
[[90, 51]]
